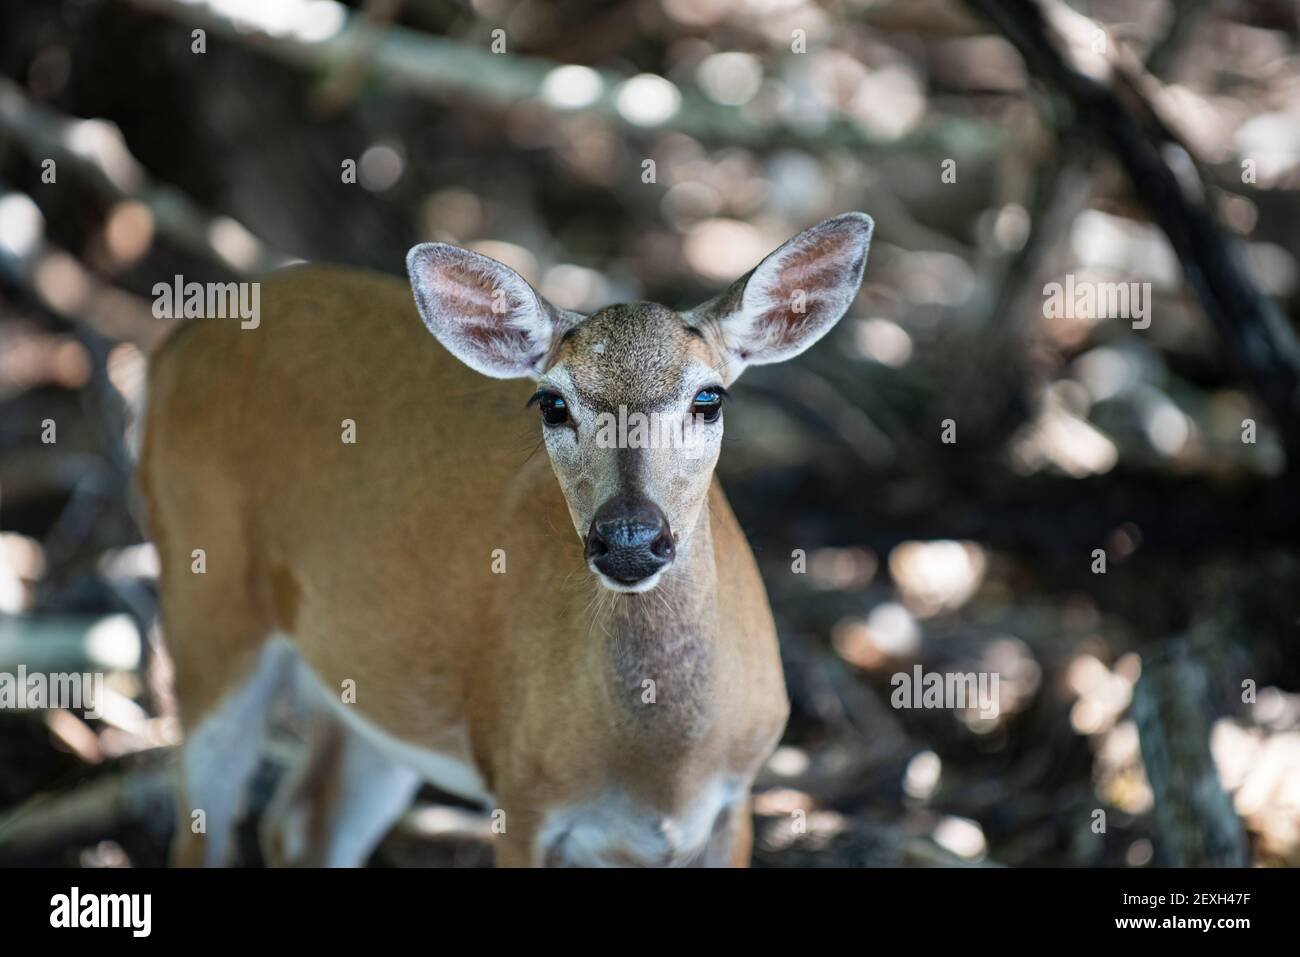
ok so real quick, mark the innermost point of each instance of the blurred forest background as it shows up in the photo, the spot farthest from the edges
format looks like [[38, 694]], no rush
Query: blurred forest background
[[1150, 712]]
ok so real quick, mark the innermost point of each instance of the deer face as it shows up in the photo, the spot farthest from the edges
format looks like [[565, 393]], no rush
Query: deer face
[[631, 397]]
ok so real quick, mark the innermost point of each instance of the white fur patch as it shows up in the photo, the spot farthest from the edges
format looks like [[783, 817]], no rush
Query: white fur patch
[[614, 829]]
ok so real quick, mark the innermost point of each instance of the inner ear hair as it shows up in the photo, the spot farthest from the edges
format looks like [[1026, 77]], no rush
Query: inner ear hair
[[482, 311], [795, 295]]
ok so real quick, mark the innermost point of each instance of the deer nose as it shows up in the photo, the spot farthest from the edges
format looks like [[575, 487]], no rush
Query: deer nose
[[629, 540]]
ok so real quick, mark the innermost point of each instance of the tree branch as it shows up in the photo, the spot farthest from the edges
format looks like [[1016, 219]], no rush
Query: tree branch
[[445, 70], [95, 150], [1104, 90]]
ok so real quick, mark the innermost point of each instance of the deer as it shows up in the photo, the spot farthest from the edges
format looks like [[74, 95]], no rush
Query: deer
[[413, 588]]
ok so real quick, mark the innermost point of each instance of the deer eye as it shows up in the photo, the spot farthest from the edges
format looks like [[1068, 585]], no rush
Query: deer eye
[[708, 403], [555, 411]]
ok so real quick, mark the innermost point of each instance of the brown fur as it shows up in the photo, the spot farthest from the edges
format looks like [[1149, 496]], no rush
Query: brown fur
[[377, 556], [641, 365]]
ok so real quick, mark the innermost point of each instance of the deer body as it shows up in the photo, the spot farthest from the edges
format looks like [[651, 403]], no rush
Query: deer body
[[419, 590]]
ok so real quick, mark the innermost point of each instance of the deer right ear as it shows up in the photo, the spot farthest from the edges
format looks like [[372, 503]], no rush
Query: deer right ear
[[484, 312], [793, 297]]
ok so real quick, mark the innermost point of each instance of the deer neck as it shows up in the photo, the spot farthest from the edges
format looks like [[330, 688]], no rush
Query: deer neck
[[659, 649]]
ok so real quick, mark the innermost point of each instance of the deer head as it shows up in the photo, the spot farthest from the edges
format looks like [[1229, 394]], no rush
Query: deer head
[[631, 396]]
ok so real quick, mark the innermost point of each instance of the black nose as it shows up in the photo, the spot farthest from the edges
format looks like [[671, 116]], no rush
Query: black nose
[[629, 540]]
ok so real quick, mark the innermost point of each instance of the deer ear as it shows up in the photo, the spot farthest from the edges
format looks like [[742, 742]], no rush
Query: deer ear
[[794, 296], [484, 312]]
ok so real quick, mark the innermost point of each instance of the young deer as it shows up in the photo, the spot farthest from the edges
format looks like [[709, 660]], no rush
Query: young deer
[[610, 697]]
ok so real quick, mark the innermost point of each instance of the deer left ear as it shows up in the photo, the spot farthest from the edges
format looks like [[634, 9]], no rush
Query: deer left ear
[[483, 311], [793, 297]]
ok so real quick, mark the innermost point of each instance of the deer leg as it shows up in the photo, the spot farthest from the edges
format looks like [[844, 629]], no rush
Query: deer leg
[[220, 755], [334, 808]]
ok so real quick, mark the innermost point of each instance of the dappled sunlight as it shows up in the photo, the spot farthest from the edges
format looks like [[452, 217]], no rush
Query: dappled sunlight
[[1012, 482], [937, 577]]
